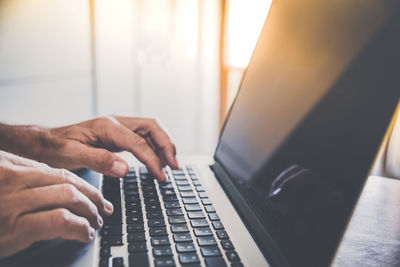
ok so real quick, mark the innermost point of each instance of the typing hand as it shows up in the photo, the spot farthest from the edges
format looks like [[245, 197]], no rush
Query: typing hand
[[42, 203], [88, 145]]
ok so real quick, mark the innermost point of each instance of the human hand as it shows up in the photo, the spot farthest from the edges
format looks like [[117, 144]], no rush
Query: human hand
[[88, 145], [38, 202]]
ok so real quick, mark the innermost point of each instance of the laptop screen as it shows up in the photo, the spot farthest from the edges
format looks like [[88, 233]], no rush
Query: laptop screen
[[311, 111]]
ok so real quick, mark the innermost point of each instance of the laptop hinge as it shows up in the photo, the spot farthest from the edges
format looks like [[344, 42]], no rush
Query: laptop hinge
[[257, 229]]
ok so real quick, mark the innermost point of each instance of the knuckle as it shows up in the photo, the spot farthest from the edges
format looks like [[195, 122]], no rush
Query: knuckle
[[97, 196], [137, 140], [67, 176], [101, 122], [104, 159], [60, 219], [85, 226], [70, 193]]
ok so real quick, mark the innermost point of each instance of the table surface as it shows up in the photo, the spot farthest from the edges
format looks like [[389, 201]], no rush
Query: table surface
[[373, 235]]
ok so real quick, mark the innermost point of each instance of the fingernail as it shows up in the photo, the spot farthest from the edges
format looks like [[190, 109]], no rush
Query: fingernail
[[118, 168], [92, 233], [100, 221], [108, 206], [163, 178]]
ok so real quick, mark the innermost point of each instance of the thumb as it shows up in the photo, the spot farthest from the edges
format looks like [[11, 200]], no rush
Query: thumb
[[104, 161]]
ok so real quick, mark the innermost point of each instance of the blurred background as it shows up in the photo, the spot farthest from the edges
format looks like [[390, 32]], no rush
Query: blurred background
[[181, 61]]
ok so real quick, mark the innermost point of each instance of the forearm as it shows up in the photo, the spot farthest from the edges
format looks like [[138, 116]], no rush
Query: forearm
[[25, 141]]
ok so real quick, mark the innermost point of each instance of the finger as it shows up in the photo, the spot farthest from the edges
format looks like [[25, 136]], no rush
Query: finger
[[156, 133], [39, 177], [149, 141], [101, 160], [60, 196], [19, 161], [51, 224], [125, 139]]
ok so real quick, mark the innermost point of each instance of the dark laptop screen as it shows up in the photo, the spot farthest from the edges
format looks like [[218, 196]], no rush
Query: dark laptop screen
[[311, 111]]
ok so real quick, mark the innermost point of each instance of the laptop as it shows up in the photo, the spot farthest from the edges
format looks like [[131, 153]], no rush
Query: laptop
[[292, 157]]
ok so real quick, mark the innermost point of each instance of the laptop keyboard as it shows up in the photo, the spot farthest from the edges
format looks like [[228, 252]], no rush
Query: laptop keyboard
[[163, 224]]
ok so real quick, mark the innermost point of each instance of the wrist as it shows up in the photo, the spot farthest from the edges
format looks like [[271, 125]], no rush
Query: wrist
[[25, 141]]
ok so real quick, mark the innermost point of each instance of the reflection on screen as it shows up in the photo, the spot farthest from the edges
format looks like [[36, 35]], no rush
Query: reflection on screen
[[301, 135]]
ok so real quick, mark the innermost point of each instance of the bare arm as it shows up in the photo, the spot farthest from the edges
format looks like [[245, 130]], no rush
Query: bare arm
[[90, 144]]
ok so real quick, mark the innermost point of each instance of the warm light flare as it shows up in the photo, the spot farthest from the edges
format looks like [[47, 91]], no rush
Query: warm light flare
[[244, 21]]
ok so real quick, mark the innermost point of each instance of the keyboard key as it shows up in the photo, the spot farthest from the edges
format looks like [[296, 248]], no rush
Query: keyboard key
[[203, 195], [227, 244], [196, 182], [151, 200], [200, 188], [111, 230], [187, 194], [134, 219], [131, 187], [182, 182], [133, 205], [162, 251], [105, 242], [104, 262], [136, 237], [190, 200], [139, 259], [185, 188], [217, 225], [237, 264], [213, 217], [203, 231], [149, 188], [232, 256], [167, 192], [135, 212], [105, 251], [215, 262], [155, 222], [199, 223], [210, 251], [160, 241], [196, 215], [185, 247], [222, 234], [209, 208], [206, 201], [167, 185], [133, 193], [167, 198], [177, 219], [192, 207], [179, 228], [155, 215], [172, 205], [114, 240], [174, 212], [130, 199], [118, 262], [164, 262], [135, 228], [158, 231], [149, 194], [182, 237], [153, 207], [186, 258], [137, 247], [206, 241]]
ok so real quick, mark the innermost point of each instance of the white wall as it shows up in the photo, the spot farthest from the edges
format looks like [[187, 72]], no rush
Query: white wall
[[44, 61], [159, 58], [154, 58]]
